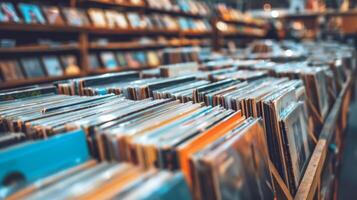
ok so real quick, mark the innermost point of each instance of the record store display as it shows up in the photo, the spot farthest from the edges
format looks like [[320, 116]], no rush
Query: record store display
[[171, 100]]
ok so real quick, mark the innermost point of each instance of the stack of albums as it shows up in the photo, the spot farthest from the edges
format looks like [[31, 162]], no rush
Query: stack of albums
[[186, 135], [156, 133], [92, 180], [322, 82], [227, 130]]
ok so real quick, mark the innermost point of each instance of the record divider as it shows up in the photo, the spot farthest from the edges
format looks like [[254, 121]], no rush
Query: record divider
[[310, 184]]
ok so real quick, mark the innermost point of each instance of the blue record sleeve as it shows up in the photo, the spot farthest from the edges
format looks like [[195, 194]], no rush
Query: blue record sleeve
[[141, 57], [174, 189], [108, 59], [8, 13], [32, 13], [32, 67], [52, 65], [183, 23]]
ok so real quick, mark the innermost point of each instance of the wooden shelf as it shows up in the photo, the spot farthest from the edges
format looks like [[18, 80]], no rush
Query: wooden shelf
[[311, 181], [137, 46], [121, 69], [145, 8], [113, 4], [242, 22], [125, 46], [31, 81], [176, 12], [239, 33], [130, 31], [39, 48], [21, 27], [93, 30], [196, 33], [317, 14]]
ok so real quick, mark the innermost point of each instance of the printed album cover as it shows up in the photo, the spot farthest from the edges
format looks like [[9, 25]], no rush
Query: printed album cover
[[75, 17], [121, 59], [132, 63], [108, 60], [8, 13], [32, 13], [141, 57], [93, 61], [10, 70], [68, 60], [97, 17], [236, 167], [135, 20], [32, 67], [153, 59], [116, 19], [52, 65], [297, 143], [53, 15]]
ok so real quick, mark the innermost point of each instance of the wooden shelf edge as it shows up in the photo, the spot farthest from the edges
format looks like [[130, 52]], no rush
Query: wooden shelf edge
[[243, 22], [41, 80], [114, 4], [38, 48], [180, 13], [146, 8], [313, 171], [122, 69], [97, 30], [22, 27]]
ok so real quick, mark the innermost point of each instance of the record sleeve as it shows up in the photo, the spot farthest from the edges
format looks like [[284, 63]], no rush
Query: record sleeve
[[31, 13], [94, 61], [53, 15], [132, 63], [297, 142], [52, 65], [32, 67], [140, 56], [75, 17], [8, 13], [97, 17], [70, 64], [153, 59], [135, 20], [241, 157], [108, 60], [68, 60], [116, 19], [121, 59], [10, 70]]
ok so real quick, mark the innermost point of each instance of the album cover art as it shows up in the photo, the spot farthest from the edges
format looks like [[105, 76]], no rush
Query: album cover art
[[10, 70], [52, 65], [93, 61], [116, 19], [53, 15], [108, 60], [70, 64], [135, 20], [121, 59], [75, 17], [31, 13], [32, 67], [97, 17], [297, 142], [8, 13], [132, 63]]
